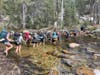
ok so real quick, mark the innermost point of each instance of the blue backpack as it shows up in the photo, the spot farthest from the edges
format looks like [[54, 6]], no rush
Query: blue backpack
[[54, 35], [3, 34]]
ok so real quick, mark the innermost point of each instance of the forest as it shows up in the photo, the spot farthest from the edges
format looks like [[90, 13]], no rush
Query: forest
[[36, 14], [49, 37]]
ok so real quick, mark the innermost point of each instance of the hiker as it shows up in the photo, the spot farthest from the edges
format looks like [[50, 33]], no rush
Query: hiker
[[74, 33], [6, 40], [27, 38], [82, 28], [67, 34], [54, 37], [35, 39], [59, 36], [18, 38], [42, 38], [48, 36]]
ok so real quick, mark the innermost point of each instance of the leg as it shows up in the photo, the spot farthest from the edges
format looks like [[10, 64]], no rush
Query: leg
[[8, 47], [17, 47], [36, 45], [33, 45], [6, 50]]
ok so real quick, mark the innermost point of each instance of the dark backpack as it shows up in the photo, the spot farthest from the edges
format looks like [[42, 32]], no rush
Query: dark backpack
[[16, 36]]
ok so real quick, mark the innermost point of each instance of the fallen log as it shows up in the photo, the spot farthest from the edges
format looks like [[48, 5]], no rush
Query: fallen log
[[67, 52]]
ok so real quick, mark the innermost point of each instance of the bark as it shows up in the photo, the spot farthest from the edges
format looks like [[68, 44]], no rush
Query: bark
[[62, 13], [24, 11], [95, 8]]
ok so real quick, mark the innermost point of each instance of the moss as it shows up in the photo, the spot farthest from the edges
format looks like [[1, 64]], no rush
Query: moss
[[39, 55]]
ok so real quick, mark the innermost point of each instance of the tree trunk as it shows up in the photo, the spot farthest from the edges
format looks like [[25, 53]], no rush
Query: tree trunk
[[96, 12], [24, 11], [1, 3], [62, 13]]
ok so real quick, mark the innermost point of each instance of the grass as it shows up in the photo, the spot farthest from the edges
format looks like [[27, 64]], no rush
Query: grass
[[39, 55]]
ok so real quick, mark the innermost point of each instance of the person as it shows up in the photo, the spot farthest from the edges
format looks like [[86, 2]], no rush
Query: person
[[35, 40], [27, 38], [54, 37], [82, 28], [49, 36], [6, 40], [67, 34], [18, 42], [74, 33], [42, 38]]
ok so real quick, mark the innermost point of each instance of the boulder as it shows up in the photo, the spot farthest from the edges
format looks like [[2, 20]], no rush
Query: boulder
[[73, 45], [85, 71], [96, 32]]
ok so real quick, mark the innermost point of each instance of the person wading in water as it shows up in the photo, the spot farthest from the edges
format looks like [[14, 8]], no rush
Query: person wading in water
[[5, 37]]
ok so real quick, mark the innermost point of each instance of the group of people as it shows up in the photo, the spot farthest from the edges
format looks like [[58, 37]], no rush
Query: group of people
[[9, 39], [32, 38]]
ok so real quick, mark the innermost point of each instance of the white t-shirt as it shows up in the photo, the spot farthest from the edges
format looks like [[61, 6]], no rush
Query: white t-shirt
[[97, 72], [20, 39]]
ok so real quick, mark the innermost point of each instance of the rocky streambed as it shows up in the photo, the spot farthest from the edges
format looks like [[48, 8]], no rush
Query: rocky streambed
[[82, 60], [8, 66], [15, 65], [85, 60]]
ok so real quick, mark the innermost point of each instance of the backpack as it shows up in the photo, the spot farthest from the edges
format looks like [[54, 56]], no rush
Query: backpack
[[16, 35], [3, 34], [54, 35]]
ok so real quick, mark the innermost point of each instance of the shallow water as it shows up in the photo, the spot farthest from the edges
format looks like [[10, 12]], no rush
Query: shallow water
[[87, 54]]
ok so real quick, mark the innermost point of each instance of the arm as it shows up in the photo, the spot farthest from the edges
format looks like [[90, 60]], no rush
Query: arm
[[22, 39], [8, 35]]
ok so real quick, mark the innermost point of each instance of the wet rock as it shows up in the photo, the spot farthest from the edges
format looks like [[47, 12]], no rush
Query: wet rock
[[53, 72], [84, 56], [85, 71], [73, 45], [90, 49], [67, 62], [8, 66], [65, 51]]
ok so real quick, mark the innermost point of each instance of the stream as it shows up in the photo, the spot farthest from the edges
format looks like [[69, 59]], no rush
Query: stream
[[88, 55]]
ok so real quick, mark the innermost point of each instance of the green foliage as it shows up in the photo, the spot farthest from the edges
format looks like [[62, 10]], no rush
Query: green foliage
[[70, 13], [81, 6], [42, 13]]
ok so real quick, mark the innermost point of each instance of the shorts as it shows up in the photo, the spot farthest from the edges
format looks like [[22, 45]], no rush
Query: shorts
[[42, 40], [54, 39], [17, 43], [35, 41], [6, 43]]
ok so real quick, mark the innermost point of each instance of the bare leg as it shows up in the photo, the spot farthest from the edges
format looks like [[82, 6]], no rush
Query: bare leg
[[36, 44], [17, 47], [33, 45], [6, 51], [8, 47]]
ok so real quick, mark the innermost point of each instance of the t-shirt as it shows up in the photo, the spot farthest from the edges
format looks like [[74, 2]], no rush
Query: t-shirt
[[54, 35]]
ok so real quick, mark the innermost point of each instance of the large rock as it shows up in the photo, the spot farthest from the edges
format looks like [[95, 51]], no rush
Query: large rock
[[85, 71], [73, 45], [96, 32]]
